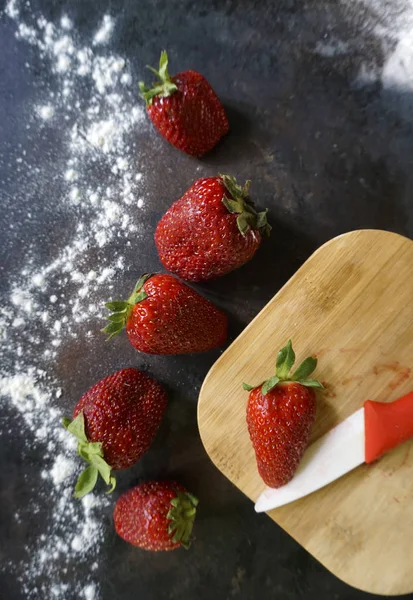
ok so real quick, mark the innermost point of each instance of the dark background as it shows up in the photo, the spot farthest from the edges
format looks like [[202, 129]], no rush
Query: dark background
[[325, 155]]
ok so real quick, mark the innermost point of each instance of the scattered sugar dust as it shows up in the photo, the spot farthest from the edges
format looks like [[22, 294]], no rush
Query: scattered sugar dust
[[104, 32], [94, 104], [75, 528], [105, 122], [45, 112], [391, 24]]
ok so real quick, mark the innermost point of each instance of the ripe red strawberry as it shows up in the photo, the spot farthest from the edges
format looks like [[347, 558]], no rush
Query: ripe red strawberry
[[156, 515], [280, 415], [211, 230], [165, 316], [115, 422], [185, 109]]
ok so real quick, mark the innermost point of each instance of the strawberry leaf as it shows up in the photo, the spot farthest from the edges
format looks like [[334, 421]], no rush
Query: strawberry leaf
[[305, 369], [139, 297], [122, 309], [141, 282], [148, 93], [237, 203], [262, 224], [164, 86], [285, 361], [95, 448], [91, 452], [114, 328], [112, 483], [314, 383], [171, 526], [262, 219], [233, 206], [86, 482], [139, 293], [246, 188], [66, 422], [163, 66], [117, 306], [235, 190], [76, 427], [182, 516], [194, 500], [243, 224], [102, 466], [248, 387], [83, 451], [269, 385], [118, 317], [177, 536]]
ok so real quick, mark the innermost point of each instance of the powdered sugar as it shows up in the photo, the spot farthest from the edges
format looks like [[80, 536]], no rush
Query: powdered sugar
[[105, 132], [90, 592], [12, 9], [391, 22], [93, 102], [104, 32], [398, 68], [63, 468], [330, 48], [46, 112], [32, 401], [66, 23]]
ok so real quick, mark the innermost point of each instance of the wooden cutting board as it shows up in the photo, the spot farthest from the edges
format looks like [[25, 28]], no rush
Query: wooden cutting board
[[351, 304]]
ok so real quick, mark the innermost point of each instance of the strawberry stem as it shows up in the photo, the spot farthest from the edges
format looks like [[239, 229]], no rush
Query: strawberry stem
[[121, 309], [284, 364], [164, 86], [92, 453], [182, 516], [238, 203]]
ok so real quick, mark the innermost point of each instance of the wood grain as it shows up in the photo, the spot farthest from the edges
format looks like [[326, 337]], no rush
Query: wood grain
[[351, 304]]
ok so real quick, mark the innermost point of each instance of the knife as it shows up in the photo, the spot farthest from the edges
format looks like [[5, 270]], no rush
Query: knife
[[361, 438]]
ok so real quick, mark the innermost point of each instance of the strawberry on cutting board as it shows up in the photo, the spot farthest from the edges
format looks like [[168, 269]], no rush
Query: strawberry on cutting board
[[210, 231], [185, 109], [165, 316], [280, 415], [156, 515], [115, 422]]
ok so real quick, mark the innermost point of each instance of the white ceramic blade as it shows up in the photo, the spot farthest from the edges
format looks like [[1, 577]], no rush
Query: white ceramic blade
[[339, 451]]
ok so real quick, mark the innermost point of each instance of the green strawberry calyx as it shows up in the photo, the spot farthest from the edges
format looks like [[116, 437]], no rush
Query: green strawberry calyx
[[164, 86], [284, 364], [92, 453], [239, 204], [121, 309], [182, 516]]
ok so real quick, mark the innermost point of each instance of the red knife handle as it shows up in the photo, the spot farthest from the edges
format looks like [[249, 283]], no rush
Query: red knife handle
[[387, 425]]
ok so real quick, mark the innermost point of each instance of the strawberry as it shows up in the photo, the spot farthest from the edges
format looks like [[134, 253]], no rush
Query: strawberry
[[156, 515], [115, 422], [280, 414], [211, 230], [165, 316], [185, 109]]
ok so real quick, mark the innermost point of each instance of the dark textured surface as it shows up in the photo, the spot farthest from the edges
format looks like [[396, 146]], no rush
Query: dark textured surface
[[325, 155]]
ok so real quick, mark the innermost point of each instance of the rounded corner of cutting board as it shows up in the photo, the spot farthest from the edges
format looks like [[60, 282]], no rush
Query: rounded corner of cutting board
[[361, 235], [359, 584], [370, 302]]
